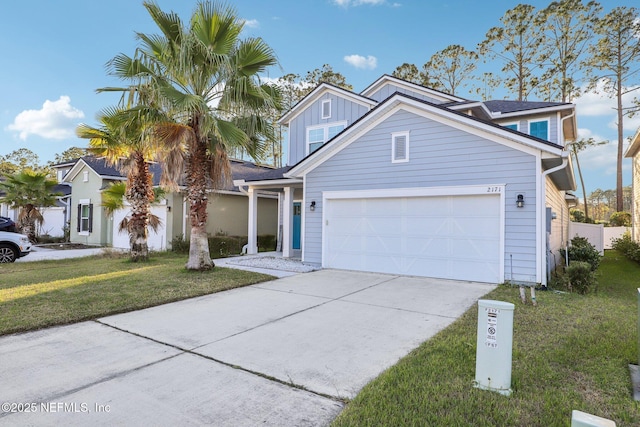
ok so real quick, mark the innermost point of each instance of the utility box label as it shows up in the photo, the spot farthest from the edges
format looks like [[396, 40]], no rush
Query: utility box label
[[492, 327]]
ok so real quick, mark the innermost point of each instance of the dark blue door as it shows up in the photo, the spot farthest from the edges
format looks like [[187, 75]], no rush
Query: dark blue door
[[297, 222]]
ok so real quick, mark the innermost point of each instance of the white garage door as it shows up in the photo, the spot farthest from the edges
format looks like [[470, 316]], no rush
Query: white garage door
[[452, 237]]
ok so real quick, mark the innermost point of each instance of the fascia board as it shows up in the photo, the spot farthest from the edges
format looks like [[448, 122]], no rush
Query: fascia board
[[75, 170], [545, 110], [411, 86], [496, 134], [634, 146], [319, 91]]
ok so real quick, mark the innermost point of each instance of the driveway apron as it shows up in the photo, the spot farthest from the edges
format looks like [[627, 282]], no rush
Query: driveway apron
[[281, 353]]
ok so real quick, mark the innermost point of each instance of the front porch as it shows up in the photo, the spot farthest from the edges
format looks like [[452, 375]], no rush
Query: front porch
[[290, 208]]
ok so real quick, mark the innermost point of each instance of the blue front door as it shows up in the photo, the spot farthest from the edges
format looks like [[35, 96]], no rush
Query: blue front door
[[297, 222]]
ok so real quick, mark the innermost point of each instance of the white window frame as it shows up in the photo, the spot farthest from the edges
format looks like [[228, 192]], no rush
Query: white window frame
[[325, 127], [84, 202], [85, 176], [322, 115], [539, 121], [395, 135]]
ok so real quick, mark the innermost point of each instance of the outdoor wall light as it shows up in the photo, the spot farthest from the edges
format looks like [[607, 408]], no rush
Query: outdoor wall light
[[312, 206], [520, 200]]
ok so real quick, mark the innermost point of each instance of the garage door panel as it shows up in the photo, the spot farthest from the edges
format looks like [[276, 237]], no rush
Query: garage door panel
[[455, 237]]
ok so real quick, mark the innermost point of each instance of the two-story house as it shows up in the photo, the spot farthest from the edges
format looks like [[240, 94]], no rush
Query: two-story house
[[404, 179]]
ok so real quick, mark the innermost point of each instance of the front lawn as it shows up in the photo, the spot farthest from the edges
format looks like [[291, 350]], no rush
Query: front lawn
[[39, 294], [570, 352]]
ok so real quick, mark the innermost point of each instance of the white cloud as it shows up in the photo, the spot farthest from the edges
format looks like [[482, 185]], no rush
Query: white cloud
[[56, 120], [252, 23], [368, 63], [347, 3]]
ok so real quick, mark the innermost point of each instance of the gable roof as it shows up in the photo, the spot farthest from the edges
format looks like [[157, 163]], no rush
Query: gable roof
[[437, 112], [239, 169], [503, 106], [433, 93], [320, 90]]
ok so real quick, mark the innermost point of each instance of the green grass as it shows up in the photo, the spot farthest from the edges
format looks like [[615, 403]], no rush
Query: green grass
[[35, 295], [570, 352]]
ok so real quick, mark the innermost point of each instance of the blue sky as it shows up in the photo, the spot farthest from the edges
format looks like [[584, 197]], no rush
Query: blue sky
[[54, 55]]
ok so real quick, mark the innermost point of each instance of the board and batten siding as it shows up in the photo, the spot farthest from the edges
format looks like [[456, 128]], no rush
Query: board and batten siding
[[341, 110], [389, 89], [560, 225], [440, 155]]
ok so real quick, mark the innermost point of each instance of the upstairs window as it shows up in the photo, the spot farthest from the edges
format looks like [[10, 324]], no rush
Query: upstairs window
[[399, 147], [318, 135], [326, 109], [512, 126], [85, 176], [539, 129]]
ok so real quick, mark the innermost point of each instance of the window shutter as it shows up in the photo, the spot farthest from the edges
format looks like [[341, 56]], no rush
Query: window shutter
[[79, 217], [90, 217], [400, 147]]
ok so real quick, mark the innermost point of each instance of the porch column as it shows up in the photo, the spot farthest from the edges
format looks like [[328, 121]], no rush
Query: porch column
[[287, 221], [252, 232]]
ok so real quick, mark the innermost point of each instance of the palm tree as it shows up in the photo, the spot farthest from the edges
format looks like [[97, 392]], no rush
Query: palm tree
[[29, 191], [209, 79], [122, 141]]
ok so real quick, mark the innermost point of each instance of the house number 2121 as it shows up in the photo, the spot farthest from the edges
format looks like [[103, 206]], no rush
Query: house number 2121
[[493, 189]]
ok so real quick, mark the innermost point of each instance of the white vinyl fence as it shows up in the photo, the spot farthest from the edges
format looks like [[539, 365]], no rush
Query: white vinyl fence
[[597, 234], [156, 241]]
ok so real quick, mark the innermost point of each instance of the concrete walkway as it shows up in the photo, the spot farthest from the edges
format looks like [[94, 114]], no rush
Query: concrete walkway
[[280, 353]]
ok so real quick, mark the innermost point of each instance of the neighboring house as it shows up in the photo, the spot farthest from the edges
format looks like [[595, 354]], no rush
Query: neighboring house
[[228, 208], [634, 153], [404, 179], [56, 218]]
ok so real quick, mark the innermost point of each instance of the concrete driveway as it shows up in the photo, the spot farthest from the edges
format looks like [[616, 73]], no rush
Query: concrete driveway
[[280, 353]]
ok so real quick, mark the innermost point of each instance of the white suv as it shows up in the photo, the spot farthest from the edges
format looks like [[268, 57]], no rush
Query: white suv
[[13, 246]]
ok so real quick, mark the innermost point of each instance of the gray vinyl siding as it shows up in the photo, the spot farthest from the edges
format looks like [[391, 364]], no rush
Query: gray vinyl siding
[[341, 110], [523, 125], [389, 89], [439, 156]]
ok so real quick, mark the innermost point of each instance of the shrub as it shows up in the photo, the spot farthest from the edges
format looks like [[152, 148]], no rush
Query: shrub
[[627, 246], [582, 250], [180, 245], [580, 277], [267, 242]]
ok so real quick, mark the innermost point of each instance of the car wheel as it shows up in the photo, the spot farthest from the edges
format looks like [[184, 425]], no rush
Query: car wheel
[[7, 253]]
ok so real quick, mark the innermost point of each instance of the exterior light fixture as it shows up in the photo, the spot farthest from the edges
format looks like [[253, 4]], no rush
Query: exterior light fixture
[[520, 200], [312, 207]]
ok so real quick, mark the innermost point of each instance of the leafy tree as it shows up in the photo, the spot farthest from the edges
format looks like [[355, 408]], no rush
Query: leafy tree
[[408, 72], [122, 140], [449, 69], [208, 78], [616, 58], [568, 25], [620, 219], [326, 75], [19, 160], [29, 191], [71, 153], [517, 45]]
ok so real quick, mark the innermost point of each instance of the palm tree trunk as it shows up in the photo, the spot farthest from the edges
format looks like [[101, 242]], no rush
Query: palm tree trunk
[[196, 175], [139, 194]]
